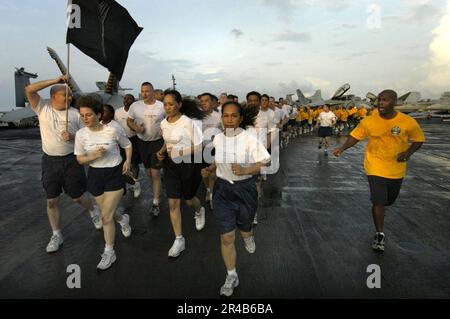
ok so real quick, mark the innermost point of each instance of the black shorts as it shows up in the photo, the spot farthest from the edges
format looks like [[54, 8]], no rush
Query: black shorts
[[325, 131], [303, 123], [181, 180], [384, 191], [285, 127], [135, 157], [63, 173], [235, 204], [148, 150], [108, 179], [291, 122]]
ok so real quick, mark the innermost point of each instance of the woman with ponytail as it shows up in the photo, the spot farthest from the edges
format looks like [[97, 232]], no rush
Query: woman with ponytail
[[182, 156]]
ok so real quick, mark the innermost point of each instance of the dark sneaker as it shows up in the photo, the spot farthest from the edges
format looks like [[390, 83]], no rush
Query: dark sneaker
[[154, 210], [378, 242]]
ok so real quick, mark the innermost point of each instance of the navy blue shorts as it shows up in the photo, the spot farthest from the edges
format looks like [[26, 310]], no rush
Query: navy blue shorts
[[108, 179], [235, 204], [63, 173]]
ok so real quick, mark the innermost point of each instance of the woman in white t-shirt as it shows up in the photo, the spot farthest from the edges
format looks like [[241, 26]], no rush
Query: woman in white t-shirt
[[98, 146], [182, 165], [238, 159]]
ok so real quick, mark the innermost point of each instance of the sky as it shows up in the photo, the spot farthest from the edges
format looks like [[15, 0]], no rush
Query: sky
[[236, 46]]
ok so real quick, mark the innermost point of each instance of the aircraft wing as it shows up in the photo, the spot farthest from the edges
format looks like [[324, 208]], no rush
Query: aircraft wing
[[17, 115]]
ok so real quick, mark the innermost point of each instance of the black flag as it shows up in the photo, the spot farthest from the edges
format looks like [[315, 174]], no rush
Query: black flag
[[105, 31]]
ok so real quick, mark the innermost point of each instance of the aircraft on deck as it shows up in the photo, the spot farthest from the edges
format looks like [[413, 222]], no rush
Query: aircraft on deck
[[109, 92]]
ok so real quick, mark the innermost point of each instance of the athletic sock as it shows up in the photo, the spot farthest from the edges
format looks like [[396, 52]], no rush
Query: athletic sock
[[232, 272], [109, 248], [155, 202], [57, 232]]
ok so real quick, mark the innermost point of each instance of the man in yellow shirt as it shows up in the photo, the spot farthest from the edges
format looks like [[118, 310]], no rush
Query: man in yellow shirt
[[387, 152]]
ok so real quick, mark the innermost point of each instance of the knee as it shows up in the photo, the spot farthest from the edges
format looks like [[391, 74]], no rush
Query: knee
[[52, 203], [228, 239], [154, 174], [174, 205], [107, 220], [189, 202]]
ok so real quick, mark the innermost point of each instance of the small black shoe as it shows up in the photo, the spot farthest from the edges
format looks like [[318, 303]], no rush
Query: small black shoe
[[154, 210]]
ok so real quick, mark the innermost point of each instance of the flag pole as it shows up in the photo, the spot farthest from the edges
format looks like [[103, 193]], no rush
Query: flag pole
[[67, 87]]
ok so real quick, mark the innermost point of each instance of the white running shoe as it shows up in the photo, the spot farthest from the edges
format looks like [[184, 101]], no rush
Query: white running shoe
[[250, 244], [136, 189], [178, 246], [96, 217], [200, 219], [108, 258], [125, 225], [54, 243], [255, 220], [231, 282]]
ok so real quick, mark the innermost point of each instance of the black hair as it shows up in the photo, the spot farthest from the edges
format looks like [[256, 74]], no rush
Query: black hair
[[248, 114], [266, 96], [253, 93], [149, 84], [391, 93], [207, 94], [110, 109], [130, 95], [189, 107], [215, 98], [90, 102]]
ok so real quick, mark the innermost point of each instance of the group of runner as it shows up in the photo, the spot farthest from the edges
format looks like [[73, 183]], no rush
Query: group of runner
[[227, 145]]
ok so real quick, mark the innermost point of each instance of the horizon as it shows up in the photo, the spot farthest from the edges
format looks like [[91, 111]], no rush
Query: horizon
[[273, 47]]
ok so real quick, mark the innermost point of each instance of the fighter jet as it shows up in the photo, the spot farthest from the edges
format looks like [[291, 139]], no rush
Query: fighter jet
[[338, 98]]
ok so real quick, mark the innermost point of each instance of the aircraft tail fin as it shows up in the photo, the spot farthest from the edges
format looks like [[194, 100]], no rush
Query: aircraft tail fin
[[72, 84], [22, 79]]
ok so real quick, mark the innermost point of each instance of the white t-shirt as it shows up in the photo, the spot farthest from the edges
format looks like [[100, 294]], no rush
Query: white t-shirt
[[181, 134], [279, 115], [287, 109], [326, 119], [243, 149], [109, 138], [294, 113], [52, 123], [265, 119], [117, 126], [149, 115], [121, 116], [211, 126]]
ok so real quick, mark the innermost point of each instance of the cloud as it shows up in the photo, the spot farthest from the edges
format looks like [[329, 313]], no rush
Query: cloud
[[287, 8], [291, 36], [438, 68], [423, 13], [420, 12], [289, 5], [237, 33]]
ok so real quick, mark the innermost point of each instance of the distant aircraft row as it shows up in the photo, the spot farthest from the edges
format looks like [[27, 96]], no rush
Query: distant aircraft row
[[111, 93]]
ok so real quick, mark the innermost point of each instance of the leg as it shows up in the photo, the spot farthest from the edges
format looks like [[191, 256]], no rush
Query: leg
[[53, 213], [85, 202], [228, 250], [378, 217], [194, 202], [108, 203], [155, 176], [175, 215]]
